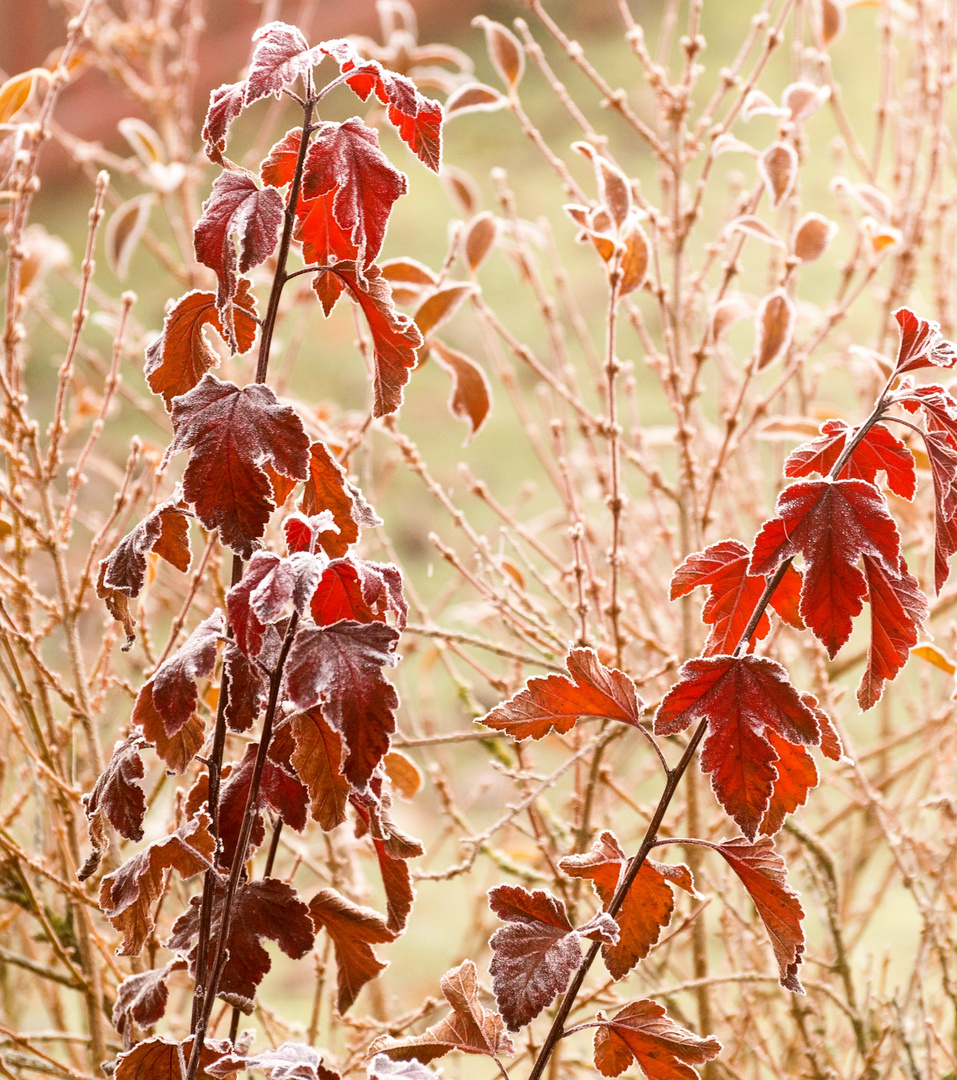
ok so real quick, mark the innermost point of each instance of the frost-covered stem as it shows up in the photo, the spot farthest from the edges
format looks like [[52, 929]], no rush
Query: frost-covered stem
[[280, 277], [615, 501], [239, 858]]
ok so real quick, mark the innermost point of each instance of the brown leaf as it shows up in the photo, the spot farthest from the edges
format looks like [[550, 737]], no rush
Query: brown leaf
[[290, 1061], [555, 703], [479, 239], [643, 1032], [812, 235], [403, 772], [473, 97], [124, 232], [328, 488], [119, 797], [317, 761], [469, 1027], [354, 930], [775, 325], [504, 50], [178, 750], [128, 896], [441, 305], [471, 396], [159, 1059], [778, 168], [141, 1000]]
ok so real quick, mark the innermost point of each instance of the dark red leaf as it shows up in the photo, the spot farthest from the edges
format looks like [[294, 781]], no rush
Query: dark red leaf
[[279, 166], [178, 750], [172, 691], [141, 1000], [160, 1059], [397, 885], [247, 689], [282, 55], [797, 775], [468, 1027], [643, 1032], [556, 703], [922, 344], [181, 355], [325, 243], [831, 745], [898, 612], [317, 760], [941, 448], [231, 432], [535, 954], [764, 874], [328, 488], [340, 668], [225, 104], [122, 573], [395, 337], [268, 909], [128, 896], [648, 904], [831, 523], [239, 229], [733, 594], [345, 161], [354, 930], [878, 451], [739, 697], [116, 792]]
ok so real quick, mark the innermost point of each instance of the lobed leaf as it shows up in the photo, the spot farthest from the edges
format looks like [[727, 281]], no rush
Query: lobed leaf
[[921, 344], [642, 1032], [141, 1000], [878, 451], [160, 1059], [317, 760], [328, 488], [118, 797]]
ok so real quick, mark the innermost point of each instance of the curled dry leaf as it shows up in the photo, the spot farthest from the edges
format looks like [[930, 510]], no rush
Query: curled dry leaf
[[802, 99], [774, 320], [473, 97], [124, 232], [408, 279], [469, 1027], [504, 50], [812, 235], [120, 799], [462, 189], [778, 168], [749, 225], [404, 774], [757, 103], [141, 1000], [727, 312], [479, 239], [635, 259], [833, 19], [556, 703], [289, 1061], [382, 1067], [643, 1032], [471, 396], [441, 305]]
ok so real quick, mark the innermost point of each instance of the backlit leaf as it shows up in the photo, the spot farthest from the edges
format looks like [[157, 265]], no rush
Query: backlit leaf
[[921, 344], [739, 697], [128, 896], [831, 523], [778, 168], [643, 1032], [797, 775], [328, 488], [878, 451], [468, 1027], [354, 930], [471, 396], [774, 320], [282, 55], [181, 355], [317, 760], [555, 703], [231, 433]]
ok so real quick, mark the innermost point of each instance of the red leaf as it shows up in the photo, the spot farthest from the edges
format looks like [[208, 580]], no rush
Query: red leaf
[[648, 904], [261, 909], [354, 930], [468, 1027], [279, 166], [122, 573], [345, 161], [225, 104], [282, 55], [395, 337], [141, 1000], [358, 590], [739, 697], [237, 214], [397, 884], [417, 119], [878, 451], [832, 523], [898, 612], [764, 874], [324, 242], [797, 775], [116, 792], [340, 668], [644, 1033], [246, 625], [535, 955], [231, 432], [282, 793], [178, 750], [556, 703], [181, 355], [128, 896], [922, 344], [328, 488], [172, 691], [733, 594], [941, 448], [247, 689], [160, 1059], [317, 761]]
